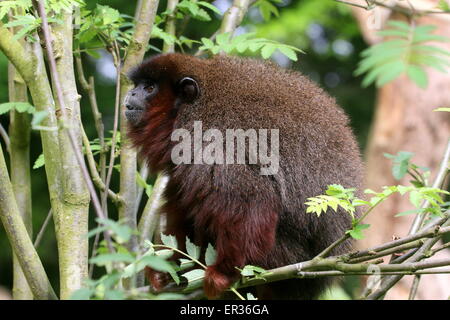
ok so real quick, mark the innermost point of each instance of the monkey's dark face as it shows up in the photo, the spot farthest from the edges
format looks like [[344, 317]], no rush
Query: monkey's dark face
[[137, 100], [157, 88]]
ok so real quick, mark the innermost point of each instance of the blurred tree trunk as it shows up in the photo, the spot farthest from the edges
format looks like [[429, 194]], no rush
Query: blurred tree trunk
[[405, 121], [19, 131]]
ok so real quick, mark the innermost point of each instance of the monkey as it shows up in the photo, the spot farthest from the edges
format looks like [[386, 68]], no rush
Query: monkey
[[249, 217]]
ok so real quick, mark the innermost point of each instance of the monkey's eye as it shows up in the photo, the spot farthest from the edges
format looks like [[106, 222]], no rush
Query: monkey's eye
[[188, 89], [149, 87]]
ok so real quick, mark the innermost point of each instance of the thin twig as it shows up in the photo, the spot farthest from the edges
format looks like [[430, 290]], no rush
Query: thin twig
[[401, 248], [93, 168], [5, 137], [414, 287], [41, 232], [421, 253], [439, 248], [89, 88], [112, 156], [408, 11]]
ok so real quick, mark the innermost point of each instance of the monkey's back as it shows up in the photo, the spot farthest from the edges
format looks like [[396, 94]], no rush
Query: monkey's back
[[316, 148]]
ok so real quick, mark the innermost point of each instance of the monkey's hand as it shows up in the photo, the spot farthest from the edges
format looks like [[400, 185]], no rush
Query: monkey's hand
[[157, 279], [216, 282]]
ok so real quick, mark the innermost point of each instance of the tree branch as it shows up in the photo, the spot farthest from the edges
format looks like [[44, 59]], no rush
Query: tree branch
[[234, 16], [93, 169], [19, 129], [128, 159], [5, 137], [150, 216], [19, 239]]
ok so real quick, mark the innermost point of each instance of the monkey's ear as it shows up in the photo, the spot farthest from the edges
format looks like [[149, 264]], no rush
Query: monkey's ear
[[188, 89]]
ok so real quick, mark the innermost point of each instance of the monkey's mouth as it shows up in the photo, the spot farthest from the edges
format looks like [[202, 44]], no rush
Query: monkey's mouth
[[134, 114]]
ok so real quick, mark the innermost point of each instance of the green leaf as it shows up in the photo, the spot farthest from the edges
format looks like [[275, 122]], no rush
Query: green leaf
[[356, 232], [186, 263], [207, 43], [192, 250], [194, 277], [38, 117], [140, 181], [442, 109], [250, 270], [105, 259], [210, 7], [192, 7], [40, 161], [169, 240], [401, 163], [266, 9], [408, 212], [82, 294], [122, 233], [202, 15], [6, 107], [418, 75], [251, 296], [399, 24], [157, 263], [288, 52], [406, 51], [24, 107], [114, 294], [87, 35], [210, 255], [415, 197], [391, 73], [223, 38], [18, 106], [444, 6], [108, 14], [267, 51]]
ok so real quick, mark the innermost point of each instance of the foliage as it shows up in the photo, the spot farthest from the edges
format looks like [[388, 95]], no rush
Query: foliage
[[123, 264], [267, 9], [402, 165], [196, 9], [102, 27], [407, 51], [266, 48], [419, 194], [17, 106], [28, 21], [293, 22]]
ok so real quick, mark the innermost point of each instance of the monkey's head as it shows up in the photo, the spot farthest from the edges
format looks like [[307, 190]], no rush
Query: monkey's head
[[163, 86], [157, 81]]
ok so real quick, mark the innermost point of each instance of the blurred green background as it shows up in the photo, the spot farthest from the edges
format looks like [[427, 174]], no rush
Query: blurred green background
[[325, 30]]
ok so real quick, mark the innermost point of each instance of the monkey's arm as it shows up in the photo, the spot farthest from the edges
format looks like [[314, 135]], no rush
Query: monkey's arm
[[244, 224]]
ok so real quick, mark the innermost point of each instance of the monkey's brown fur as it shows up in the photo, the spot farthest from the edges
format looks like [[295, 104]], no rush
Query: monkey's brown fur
[[250, 218]]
